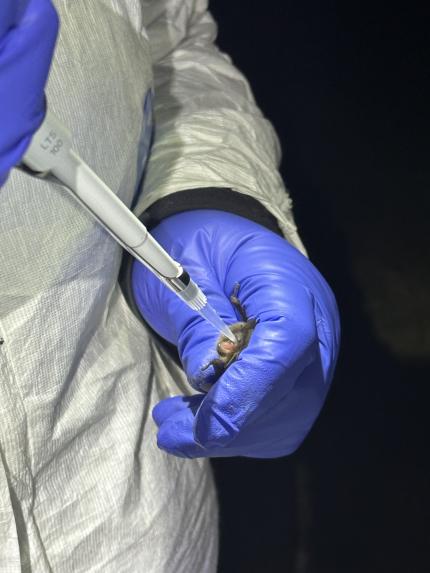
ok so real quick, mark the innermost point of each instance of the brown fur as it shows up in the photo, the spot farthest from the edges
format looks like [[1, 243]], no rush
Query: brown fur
[[228, 352]]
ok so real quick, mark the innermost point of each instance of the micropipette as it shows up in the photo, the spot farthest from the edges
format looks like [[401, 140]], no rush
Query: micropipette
[[51, 155]]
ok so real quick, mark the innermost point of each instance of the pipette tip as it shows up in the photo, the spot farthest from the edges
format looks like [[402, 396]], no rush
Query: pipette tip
[[197, 300], [229, 334], [212, 316]]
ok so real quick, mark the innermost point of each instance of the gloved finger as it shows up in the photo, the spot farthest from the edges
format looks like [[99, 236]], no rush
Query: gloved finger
[[35, 26], [195, 338], [25, 59], [279, 351], [10, 14], [169, 406], [175, 435], [274, 297]]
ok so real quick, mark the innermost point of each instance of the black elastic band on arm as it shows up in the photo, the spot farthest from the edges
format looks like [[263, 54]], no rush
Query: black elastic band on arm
[[218, 198]]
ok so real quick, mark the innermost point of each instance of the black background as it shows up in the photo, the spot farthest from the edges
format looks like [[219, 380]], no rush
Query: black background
[[346, 85]]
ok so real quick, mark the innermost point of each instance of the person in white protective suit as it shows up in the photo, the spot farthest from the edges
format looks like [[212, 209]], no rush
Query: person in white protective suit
[[104, 438]]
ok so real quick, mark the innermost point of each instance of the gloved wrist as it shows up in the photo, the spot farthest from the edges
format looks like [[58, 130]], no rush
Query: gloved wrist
[[264, 404]]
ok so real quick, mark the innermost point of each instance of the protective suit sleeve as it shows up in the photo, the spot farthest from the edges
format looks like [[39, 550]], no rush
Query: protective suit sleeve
[[209, 134]]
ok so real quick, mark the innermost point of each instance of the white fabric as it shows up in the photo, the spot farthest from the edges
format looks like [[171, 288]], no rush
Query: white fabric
[[83, 487], [209, 130]]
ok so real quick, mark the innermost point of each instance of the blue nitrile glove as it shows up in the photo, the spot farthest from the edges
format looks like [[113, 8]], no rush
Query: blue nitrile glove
[[265, 403], [28, 29]]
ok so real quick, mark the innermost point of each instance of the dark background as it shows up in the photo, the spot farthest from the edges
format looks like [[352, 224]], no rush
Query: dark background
[[346, 85]]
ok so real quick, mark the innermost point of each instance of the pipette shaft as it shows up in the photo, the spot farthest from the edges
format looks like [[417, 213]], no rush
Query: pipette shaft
[[51, 153]]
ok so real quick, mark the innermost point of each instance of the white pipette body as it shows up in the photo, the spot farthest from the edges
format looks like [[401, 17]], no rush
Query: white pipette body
[[51, 154]]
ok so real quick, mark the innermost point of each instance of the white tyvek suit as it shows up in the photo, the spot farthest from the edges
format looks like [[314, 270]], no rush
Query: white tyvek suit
[[83, 487]]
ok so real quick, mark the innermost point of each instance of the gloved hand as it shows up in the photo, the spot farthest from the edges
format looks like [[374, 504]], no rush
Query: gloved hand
[[28, 29], [265, 402]]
